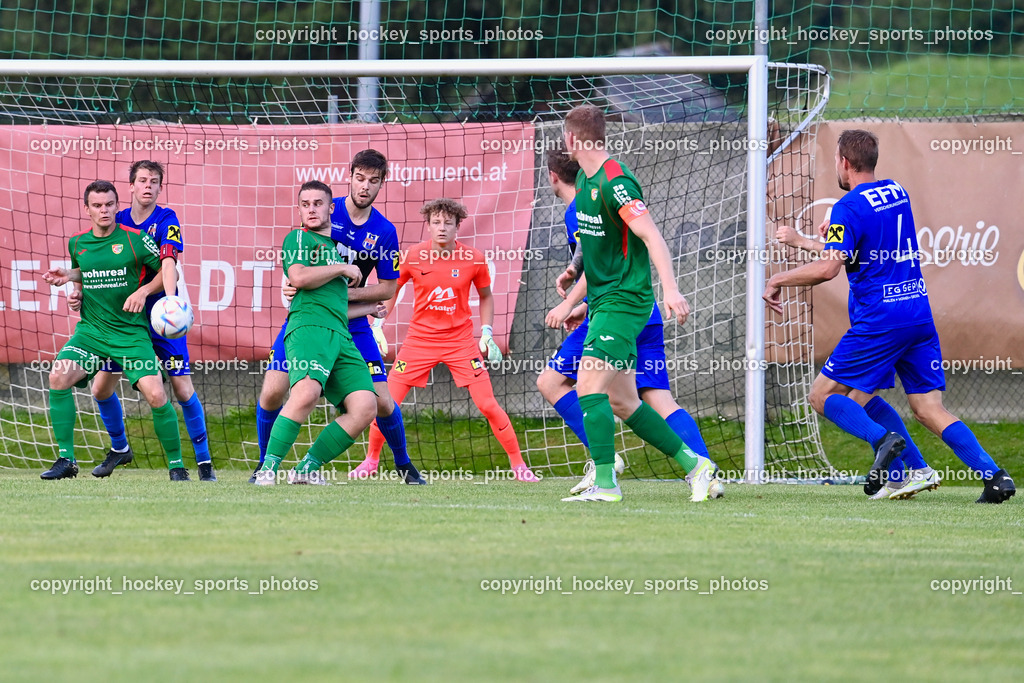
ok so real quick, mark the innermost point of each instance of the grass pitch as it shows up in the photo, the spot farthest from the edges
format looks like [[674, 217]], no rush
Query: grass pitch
[[823, 585]]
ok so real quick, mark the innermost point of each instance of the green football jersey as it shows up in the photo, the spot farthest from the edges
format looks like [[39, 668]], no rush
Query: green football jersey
[[327, 305], [615, 260], [113, 267]]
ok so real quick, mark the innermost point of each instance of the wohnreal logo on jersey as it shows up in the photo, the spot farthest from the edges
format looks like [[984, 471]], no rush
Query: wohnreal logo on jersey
[[105, 279], [439, 299]]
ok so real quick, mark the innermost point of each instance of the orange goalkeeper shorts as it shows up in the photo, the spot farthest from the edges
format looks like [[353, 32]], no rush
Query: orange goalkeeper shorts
[[416, 359]]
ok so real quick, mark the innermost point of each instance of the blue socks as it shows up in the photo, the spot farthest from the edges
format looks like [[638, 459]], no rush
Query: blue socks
[[569, 408], [393, 429], [113, 419], [195, 425], [963, 442], [885, 415], [686, 429], [264, 423], [849, 416]]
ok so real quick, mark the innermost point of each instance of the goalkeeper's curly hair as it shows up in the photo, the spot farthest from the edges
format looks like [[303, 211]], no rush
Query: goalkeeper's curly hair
[[446, 206]]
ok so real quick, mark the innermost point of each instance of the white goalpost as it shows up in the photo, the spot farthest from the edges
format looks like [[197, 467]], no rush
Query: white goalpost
[[747, 162]]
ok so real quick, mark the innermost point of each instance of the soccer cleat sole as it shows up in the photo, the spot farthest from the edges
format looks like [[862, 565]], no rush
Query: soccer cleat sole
[[901, 494]]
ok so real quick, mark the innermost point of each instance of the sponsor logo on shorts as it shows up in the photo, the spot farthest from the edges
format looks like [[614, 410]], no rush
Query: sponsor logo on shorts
[[175, 363], [607, 337], [375, 367], [399, 366], [477, 364]]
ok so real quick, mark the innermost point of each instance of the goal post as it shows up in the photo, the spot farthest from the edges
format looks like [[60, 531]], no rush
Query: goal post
[[37, 92]]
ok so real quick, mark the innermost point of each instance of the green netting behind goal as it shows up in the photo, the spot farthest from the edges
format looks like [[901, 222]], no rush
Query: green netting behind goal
[[906, 58]]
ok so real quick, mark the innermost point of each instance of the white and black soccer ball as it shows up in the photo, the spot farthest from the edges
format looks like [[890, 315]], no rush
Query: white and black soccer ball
[[171, 317]]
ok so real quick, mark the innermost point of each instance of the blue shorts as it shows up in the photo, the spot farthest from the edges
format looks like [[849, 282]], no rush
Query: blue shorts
[[173, 355], [869, 360], [651, 371], [362, 335]]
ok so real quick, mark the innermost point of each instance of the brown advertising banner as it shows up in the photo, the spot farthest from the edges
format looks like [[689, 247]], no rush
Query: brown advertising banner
[[966, 185]]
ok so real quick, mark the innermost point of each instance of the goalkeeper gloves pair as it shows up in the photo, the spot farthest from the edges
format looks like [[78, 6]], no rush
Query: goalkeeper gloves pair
[[488, 347]]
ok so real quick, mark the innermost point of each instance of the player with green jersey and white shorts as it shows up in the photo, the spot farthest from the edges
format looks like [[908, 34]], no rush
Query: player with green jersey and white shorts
[[322, 358], [109, 261], [620, 241]]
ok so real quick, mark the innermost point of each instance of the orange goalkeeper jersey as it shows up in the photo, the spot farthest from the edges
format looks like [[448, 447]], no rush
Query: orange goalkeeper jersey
[[442, 281]]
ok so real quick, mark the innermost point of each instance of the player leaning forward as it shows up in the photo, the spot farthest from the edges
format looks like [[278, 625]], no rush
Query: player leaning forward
[[620, 241], [110, 261], [322, 358], [891, 332]]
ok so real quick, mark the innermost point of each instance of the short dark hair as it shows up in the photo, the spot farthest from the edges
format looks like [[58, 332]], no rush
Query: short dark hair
[[151, 166], [317, 185], [100, 186], [860, 148], [562, 165], [586, 122], [451, 207], [371, 160]]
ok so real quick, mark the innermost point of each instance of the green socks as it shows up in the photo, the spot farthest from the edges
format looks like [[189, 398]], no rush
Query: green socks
[[599, 425], [165, 423], [63, 413], [652, 428], [282, 438], [331, 443]]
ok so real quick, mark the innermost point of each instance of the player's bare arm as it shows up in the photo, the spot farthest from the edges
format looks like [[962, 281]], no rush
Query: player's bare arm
[[381, 291], [561, 313], [61, 276], [644, 228], [807, 275], [168, 281], [789, 236]]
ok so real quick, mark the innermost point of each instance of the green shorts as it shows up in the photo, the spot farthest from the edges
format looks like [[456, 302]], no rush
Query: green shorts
[[134, 354], [329, 357], [612, 334]]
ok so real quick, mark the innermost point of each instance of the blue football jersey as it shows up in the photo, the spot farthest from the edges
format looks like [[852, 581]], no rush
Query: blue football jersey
[[372, 245], [874, 228], [163, 226], [572, 227]]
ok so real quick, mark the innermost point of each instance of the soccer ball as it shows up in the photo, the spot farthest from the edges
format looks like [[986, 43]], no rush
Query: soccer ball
[[171, 317]]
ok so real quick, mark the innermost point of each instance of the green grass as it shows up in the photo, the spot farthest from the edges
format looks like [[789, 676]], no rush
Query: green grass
[[399, 572], [931, 84], [438, 441]]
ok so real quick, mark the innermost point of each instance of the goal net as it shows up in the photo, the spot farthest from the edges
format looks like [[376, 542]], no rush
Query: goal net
[[236, 150]]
